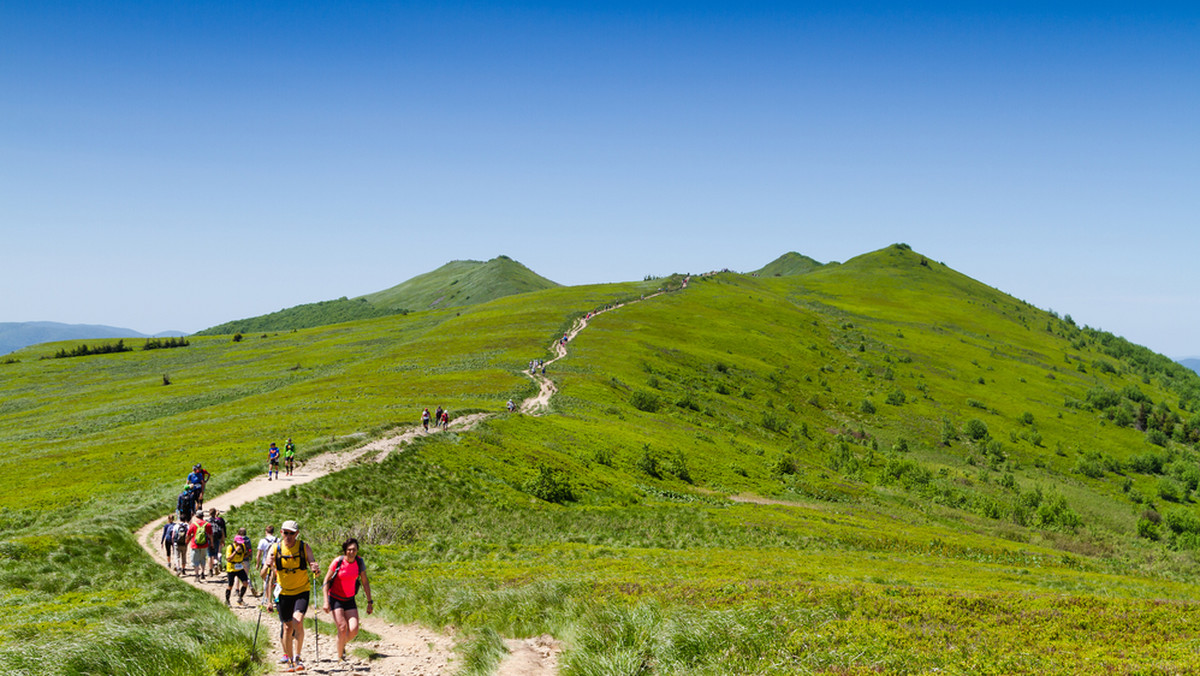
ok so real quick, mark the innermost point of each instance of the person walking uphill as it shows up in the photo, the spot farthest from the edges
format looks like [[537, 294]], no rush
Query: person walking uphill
[[291, 560], [346, 574], [237, 553], [272, 461], [199, 535]]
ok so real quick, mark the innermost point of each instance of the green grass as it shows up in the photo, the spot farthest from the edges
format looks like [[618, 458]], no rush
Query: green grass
[[876, 538]]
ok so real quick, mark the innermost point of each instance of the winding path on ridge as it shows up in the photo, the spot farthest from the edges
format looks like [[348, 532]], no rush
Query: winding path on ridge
[[409, 649]]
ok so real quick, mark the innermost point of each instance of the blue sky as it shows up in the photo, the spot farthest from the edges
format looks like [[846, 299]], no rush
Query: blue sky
[[177, 165]]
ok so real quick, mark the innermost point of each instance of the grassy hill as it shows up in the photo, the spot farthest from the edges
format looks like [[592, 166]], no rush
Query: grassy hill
[[790, 263], [877, 466], [460, 283], [455, 284]]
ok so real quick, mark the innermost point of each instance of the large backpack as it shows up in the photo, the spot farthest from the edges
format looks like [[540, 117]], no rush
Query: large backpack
[[180, 534], [218, 531]]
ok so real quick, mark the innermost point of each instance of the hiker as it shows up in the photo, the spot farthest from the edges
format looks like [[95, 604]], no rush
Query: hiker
[[199, 535], [186, 504], [292, 559], [180, 536], [425, 419], [218, 539], [272, 461], [437, 416], [168, 537], [511, 406], [236, 555], [289, 456], [346, 574], [445, 420], [260, 558]]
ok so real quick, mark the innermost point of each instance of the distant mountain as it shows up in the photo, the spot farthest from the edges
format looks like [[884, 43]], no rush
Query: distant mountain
[[16, 335], [455, 284], [1193, 363], [790, 263], [460, 283]]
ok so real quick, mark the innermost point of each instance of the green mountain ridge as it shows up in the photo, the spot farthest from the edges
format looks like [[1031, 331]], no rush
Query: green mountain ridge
[[845, 470], [455, 284]]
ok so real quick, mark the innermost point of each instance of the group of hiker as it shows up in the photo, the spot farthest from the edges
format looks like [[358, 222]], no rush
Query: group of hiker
[[289, 459], [440, 418], [536, 364], [287, 568]]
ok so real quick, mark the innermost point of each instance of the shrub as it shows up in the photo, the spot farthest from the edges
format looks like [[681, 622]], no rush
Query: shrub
[[866, 407], [648, 462], [1156, 437], [976, 429], [1026, 418], [895, 398], [550, 485], [773, 422], [1169, 490], [644, 401], [784, 465], [676, 464]]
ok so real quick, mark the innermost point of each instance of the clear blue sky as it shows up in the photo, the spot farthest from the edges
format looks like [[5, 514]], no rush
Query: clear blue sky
[[174, 165]]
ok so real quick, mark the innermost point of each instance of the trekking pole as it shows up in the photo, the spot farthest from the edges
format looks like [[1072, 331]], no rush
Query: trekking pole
[[254, 645], [316, 623]]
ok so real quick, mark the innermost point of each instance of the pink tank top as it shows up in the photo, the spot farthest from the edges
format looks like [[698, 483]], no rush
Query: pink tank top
[[344, 583]]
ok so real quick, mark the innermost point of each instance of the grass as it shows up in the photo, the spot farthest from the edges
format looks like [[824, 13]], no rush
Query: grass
[[757, 519]]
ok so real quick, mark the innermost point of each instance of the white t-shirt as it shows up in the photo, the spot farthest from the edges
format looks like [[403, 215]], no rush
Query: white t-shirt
[[265, 544]]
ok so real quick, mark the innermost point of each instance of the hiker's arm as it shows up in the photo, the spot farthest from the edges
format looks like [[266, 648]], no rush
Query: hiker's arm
[[325, 585], [312, 560], [362, 575]]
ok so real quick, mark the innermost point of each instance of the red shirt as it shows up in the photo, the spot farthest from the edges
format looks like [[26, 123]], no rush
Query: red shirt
[[344, 584]]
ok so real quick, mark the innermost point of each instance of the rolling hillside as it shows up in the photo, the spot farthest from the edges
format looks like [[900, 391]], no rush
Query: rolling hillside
[[455, 284], [882, 465]]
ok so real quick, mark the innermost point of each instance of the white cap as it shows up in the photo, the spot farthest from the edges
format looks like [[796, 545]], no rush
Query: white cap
[[291, 525]]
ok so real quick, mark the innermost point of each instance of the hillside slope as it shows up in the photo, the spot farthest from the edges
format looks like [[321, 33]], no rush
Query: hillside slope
[[460, 283], [455, 284], [842, 471], [790, 263]]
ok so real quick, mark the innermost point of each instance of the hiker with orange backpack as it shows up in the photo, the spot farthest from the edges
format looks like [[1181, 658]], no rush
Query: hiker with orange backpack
[[347, 573]]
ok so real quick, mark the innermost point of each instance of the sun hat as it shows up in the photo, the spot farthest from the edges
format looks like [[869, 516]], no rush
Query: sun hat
[[291, 525]]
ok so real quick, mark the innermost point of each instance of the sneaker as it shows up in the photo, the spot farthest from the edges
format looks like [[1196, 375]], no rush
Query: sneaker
[[298, 665]]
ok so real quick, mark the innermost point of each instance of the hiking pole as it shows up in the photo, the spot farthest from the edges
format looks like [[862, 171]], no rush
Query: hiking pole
[[316, 624], [255, 644]]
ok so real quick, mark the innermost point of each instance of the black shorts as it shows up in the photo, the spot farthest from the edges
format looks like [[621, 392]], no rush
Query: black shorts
[[238, 575], [344, 604], [288, 606], [274, 463]]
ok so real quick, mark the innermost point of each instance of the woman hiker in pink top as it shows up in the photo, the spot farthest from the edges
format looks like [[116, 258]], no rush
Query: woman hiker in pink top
[[346, 573]]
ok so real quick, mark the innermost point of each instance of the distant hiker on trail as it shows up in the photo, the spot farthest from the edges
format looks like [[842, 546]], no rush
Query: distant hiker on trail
[[425, 419], [272, 461], [218, 539], [260, 559], [237, 553], [346, 574], [437, 416], [292, 559], [180, 536], [168, 537], [186, 504], [199, 535], [445, 421], [511, 406], [289, 456]]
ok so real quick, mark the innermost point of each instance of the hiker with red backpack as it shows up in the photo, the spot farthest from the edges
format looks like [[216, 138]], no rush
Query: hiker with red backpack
[[347, 573]]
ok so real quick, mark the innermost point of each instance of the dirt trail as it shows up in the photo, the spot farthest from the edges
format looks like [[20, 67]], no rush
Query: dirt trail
[[409, 650], [540, 403]]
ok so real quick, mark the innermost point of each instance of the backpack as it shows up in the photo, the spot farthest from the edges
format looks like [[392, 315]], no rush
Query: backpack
[[218, 531], [237, 552], [179, 537], [201, 538], [279, 556]]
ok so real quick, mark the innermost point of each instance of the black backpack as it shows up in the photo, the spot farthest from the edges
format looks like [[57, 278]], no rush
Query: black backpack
[[180, 534]]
